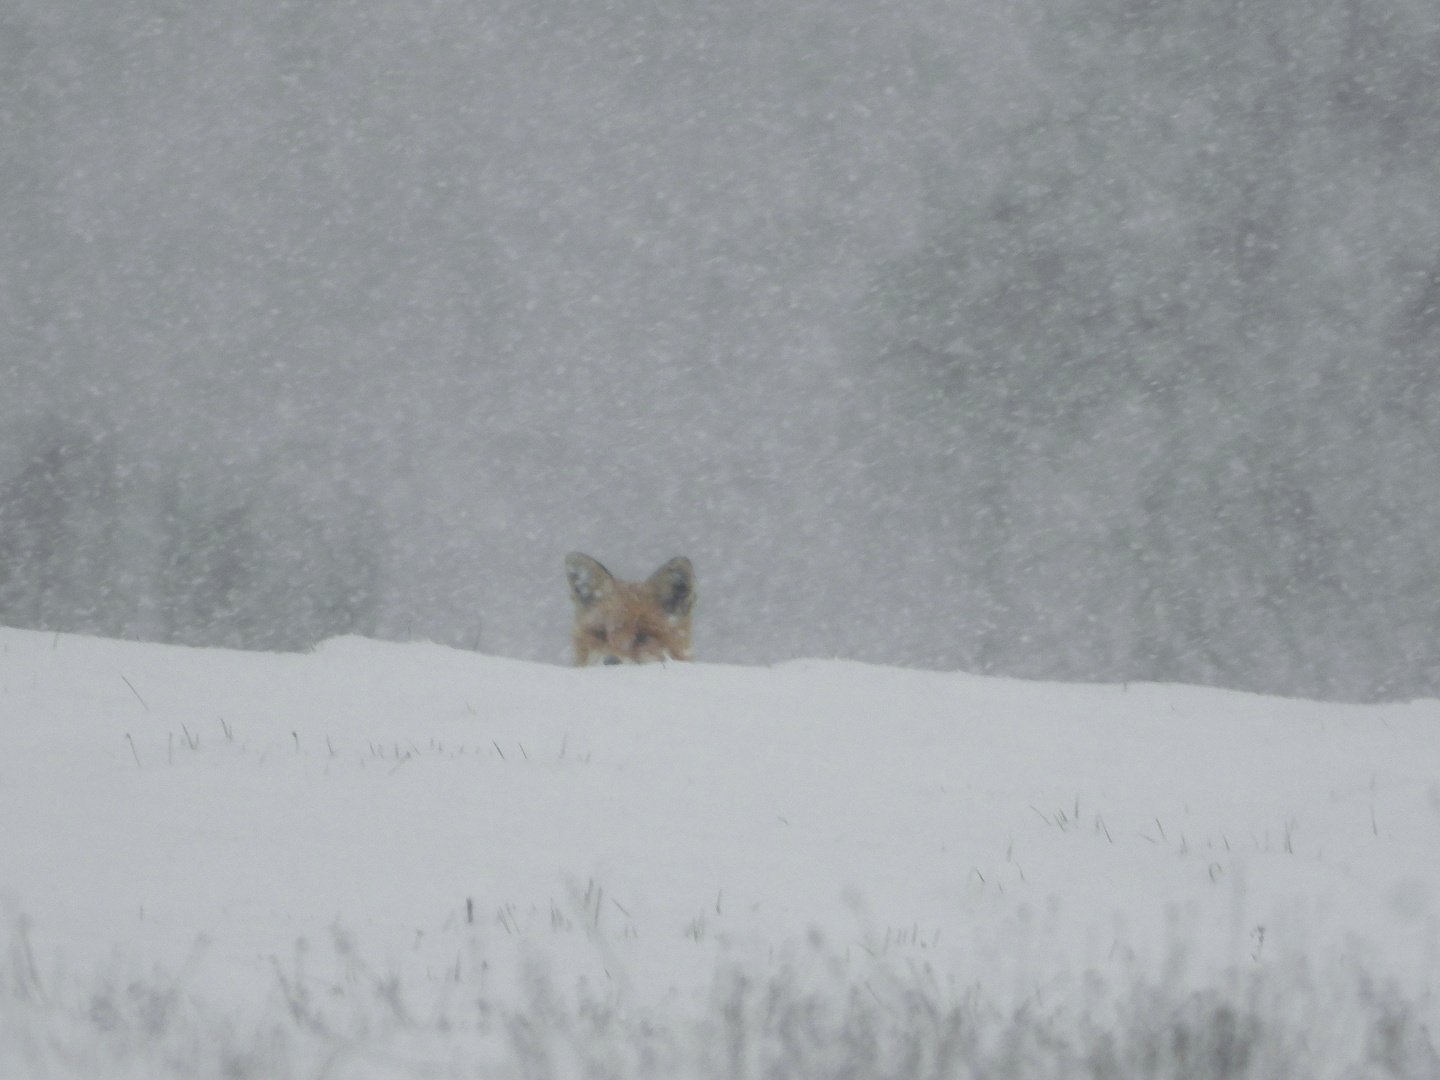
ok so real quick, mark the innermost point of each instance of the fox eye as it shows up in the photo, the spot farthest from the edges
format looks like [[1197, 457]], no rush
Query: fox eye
[[598, 635]]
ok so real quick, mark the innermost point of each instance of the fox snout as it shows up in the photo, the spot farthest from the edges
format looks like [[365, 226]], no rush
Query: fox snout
[[624, 622]]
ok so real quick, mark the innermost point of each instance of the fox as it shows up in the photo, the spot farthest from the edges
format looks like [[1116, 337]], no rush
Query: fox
[[624, 622]]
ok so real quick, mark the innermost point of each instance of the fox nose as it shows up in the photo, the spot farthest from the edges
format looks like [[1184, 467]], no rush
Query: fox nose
[[612, 659]]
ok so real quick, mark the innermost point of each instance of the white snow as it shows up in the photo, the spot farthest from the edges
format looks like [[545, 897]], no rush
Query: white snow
[[241, 822]]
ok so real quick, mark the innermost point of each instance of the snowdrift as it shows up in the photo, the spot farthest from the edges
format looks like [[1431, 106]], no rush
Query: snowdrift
[[382, 859]]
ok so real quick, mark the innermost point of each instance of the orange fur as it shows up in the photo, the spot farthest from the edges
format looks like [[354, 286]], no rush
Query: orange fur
[[623, 622]]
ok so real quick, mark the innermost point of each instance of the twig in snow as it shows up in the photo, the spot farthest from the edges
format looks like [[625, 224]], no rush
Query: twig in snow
[[138, 698]]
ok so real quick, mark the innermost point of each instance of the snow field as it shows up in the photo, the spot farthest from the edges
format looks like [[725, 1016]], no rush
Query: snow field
[[380, 859]]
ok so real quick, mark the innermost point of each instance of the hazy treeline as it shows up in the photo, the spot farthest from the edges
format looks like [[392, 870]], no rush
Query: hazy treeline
[[1177, 355], [1091, 339]]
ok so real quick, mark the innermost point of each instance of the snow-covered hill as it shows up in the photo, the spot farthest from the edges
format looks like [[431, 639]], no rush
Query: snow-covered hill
[[381, 859]]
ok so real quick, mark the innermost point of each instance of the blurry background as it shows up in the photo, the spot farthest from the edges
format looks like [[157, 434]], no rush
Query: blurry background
[[1076, 339]]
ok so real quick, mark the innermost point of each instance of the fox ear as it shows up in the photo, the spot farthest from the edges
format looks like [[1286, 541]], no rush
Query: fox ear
[[674, 586], [589, 581]]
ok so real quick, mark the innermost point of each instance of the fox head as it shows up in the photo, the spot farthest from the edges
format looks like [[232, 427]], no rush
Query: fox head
[[622, 622]]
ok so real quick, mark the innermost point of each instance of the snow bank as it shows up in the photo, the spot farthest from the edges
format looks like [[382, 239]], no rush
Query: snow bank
[[393, 843]]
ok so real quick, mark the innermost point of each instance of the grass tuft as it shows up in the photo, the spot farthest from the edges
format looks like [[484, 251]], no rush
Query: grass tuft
[[815, 1016]]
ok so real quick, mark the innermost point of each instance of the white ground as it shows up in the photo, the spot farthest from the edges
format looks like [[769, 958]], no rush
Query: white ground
[[245, 824]]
